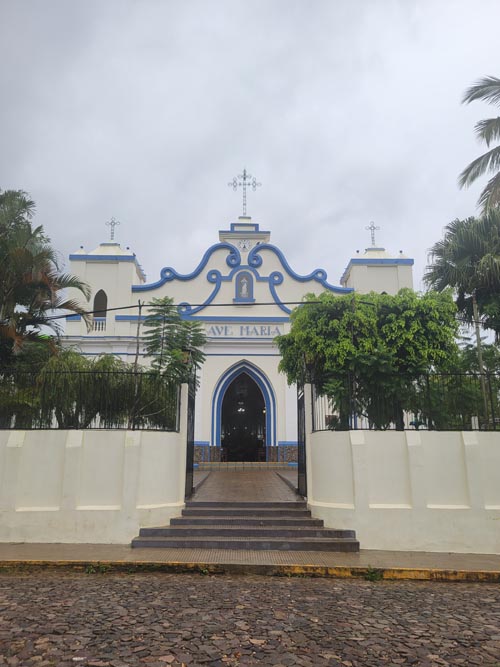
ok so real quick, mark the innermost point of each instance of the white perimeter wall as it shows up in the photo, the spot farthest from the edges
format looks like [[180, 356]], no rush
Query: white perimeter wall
[[89, 486], [413, 490]]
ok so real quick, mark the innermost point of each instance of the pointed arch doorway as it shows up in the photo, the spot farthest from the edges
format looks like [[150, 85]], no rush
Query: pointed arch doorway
[[244, 414], [243, 421]]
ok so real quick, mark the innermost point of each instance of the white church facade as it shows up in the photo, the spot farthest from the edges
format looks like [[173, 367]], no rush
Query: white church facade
[[242, 292]]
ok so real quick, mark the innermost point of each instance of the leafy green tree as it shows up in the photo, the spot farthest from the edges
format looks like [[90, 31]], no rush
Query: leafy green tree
[[173, 344], [467, 260], [366, 351], [487, 131], [32, 285]]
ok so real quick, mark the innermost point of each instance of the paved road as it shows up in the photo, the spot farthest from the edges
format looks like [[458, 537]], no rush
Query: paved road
[[63, 619]]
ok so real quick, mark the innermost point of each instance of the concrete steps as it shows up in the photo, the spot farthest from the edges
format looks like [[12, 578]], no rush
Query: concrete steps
[[241, 511], [254, 526], [245, 521]]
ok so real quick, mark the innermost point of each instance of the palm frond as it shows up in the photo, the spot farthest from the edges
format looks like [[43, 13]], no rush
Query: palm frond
[[487, 89], [67, 281], [487, 162], [490, 196], [488, 130]]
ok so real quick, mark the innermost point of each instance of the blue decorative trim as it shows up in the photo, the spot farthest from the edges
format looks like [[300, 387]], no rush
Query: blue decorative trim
[[109, 258], [319, 275], [276, 278], [233, 260], [115, 354], [407, 261], [233, 225], [374, 262], [221, 318], [167, 274], [103, 258], [202, 318], [208, 354], [202, 443], [267, 392], [74, 318], [109, 337]]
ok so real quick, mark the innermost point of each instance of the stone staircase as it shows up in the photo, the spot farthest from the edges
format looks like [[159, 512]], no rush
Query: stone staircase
[[255, 526]]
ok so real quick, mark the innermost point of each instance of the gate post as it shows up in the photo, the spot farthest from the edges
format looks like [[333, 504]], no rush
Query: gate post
[[309, 427], [189, 393], [301, 441]]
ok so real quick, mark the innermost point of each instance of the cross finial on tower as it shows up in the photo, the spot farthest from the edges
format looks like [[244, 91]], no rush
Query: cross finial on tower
[[244, 180], [112, 224], [371, 227]]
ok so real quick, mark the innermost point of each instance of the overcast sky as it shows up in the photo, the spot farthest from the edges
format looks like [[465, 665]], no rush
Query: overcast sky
[[346, 111]]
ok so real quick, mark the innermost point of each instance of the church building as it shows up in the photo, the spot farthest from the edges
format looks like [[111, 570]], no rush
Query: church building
[[242, 292]]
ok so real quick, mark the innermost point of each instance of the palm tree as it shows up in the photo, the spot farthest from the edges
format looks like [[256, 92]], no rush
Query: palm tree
[[467, 260], [174, 344], [32, 287], [487, 131]]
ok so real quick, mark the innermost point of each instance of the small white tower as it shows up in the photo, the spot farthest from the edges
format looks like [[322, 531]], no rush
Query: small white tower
[[110, 271], [378, 271]]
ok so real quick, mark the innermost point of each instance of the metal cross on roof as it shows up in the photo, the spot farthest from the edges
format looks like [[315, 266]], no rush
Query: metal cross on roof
[[371, 227], [244, 180], [112, 224]]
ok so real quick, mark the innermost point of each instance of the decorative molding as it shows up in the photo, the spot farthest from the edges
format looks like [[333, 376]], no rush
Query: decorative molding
[[233, 260], [318, 275], [167, 274]]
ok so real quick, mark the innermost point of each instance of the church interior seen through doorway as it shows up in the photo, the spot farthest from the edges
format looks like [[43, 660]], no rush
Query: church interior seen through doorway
[[243, 421]]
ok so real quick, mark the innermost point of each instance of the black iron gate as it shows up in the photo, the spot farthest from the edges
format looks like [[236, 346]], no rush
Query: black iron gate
[[301, 442], [190, 440]]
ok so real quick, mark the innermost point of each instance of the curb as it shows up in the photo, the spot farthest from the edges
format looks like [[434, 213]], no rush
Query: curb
[[198, 486], [288, 482], [366, 573]]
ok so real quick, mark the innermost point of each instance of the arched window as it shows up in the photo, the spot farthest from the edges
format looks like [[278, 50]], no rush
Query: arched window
[[100, 304], [100, 307]]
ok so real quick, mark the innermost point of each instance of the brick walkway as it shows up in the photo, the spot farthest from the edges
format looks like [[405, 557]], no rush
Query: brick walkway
[[65, 619], [245, 485]]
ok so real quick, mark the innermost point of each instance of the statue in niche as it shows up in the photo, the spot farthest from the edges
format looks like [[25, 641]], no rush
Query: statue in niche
[[244, 288]]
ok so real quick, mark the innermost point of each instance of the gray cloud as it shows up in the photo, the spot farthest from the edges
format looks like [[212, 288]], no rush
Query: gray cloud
[[347, 111]]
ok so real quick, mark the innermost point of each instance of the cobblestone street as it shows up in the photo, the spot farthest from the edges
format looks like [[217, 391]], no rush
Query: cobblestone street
[[57, 618]]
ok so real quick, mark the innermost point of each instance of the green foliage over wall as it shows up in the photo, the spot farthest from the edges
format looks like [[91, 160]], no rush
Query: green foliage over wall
[[359, 347]]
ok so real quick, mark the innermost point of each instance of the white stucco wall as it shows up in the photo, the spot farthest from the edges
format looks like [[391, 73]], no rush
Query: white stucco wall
[[413, 490], [89, 486]]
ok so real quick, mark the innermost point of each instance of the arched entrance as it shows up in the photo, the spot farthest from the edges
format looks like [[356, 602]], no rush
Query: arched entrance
[[243, 421], [267, 415]]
